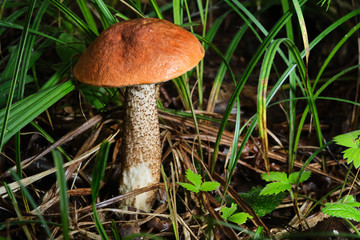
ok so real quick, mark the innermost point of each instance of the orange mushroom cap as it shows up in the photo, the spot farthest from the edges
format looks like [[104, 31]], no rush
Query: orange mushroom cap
[[139, 51]]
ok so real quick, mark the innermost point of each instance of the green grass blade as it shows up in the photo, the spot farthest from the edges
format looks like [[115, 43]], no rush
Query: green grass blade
[[261, 98], [13, 17], [170, 204], [50, 139], [333, 52], [156, 8], [233, 161], [303, 29], [114, 230], [291, 111], [64, 202], [248, 15], [74, 18], [89, 19], [97, 176], [214, 93], [17, 209], [32, 204], [214, 29], [27, 109], [18, 26], [21, 80], [108, 18], [19, 59], [178, 11]]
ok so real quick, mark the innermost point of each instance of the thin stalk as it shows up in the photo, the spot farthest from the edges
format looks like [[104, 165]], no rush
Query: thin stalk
[[292, 93]]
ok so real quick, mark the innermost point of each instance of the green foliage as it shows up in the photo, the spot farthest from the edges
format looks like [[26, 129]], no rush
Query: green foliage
[[344, 208], [64, 201], [97, 176], [281, 182], [228, 215], [262, 204], [322, 2], [196, 185], [68, 50], [352, 141]]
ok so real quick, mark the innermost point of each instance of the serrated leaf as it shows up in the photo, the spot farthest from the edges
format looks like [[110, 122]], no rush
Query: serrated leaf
[[264, 204], [275, 188], [294, 176], [209, 186], [194, 178], [239, 218], [189, 187], [353, 155], [349, 200], [227, 212], [275, 176], [357, 160], [348, 139], [341, 210]]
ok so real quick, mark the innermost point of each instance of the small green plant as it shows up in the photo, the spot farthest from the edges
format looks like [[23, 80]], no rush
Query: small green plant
[[197, 184], [281, 182], [352, 141], [347, 206], [228, 215]]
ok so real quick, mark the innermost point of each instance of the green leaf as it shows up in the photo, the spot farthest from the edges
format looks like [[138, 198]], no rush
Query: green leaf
[[66, 52], [227, 212], [194, 178], [352, 154], [275, 176], [275, 188], [262, 204], [189, 187], [348, 139], [25, 110], [239, 218], [343, 210], [350, 200], [209, 186], [294, 176]]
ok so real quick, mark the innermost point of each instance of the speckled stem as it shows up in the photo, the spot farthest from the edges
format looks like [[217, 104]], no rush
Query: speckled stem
[[142, 151]]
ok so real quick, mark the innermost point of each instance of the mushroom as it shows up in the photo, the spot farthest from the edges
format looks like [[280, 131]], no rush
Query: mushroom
[[139, 53]]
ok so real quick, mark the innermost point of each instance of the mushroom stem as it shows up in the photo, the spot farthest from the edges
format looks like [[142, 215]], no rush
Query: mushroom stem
[[142, 152]]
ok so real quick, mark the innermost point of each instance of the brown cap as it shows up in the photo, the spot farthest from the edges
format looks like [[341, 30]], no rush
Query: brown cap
[[139, 51]]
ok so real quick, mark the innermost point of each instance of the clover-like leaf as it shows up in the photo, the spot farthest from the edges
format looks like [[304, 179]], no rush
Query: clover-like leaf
[[239, 218], [227, 212], [348, 139], [194, 178], [275, 176], [353, 155], [294, 176], [189, 187], [209, 186], [275, 188]]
